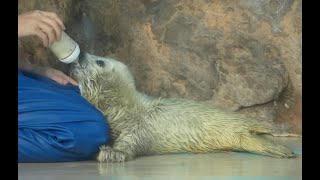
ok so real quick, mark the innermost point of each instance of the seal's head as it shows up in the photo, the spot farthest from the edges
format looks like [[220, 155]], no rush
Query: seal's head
[[101, 78]]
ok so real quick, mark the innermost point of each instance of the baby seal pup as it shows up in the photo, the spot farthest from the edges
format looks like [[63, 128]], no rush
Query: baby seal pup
[[144, 125]]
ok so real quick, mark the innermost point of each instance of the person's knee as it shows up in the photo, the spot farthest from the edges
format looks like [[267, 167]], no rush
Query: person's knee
[[90, 137]]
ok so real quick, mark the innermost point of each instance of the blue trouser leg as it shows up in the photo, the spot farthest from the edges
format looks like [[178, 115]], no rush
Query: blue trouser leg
[[55, 123]]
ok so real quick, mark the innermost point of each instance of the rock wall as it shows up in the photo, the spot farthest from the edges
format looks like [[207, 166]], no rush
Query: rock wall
[[243, 55]]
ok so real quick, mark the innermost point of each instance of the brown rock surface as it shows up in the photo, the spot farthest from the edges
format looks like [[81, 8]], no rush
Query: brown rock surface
[[243, 55]]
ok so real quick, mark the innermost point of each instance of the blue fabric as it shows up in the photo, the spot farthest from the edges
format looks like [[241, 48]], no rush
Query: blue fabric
[[55, 123]]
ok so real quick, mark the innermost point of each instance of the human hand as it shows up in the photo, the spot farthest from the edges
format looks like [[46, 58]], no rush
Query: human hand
[[46, 25], [56, 75]]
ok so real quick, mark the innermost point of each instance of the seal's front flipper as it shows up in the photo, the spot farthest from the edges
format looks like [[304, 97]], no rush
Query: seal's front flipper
[[109, 155], [126, 147]]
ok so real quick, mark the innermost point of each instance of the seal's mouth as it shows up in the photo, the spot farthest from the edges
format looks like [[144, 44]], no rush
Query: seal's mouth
[[81, 63], [77, 66]]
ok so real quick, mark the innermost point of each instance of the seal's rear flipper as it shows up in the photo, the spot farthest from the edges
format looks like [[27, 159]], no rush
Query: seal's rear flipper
[[264, 146]]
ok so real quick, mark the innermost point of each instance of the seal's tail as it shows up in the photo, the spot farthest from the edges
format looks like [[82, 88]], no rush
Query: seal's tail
[[258, 144]]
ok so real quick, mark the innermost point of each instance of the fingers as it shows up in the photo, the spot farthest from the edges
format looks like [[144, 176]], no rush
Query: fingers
[[48, 22], [55, 29], [60, 77], [53, 22], [71, 81], [61, 81], [66, 79], [47, 29], [43, 36], [55, 17]]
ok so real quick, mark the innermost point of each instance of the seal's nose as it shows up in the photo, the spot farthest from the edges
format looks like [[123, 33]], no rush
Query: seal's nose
[[81, 57], [81, 54]]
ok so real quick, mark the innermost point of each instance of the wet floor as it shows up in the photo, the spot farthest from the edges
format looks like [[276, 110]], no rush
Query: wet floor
[[213, 166]]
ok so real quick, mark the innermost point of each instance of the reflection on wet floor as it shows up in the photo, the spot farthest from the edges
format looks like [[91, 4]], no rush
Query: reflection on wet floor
[[211, 166]]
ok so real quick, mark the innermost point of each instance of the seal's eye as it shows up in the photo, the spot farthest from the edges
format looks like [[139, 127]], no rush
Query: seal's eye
[[100, 63]]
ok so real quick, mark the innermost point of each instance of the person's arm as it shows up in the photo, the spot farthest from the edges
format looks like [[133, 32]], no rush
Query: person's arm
[[48, 72], [48, 27]]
